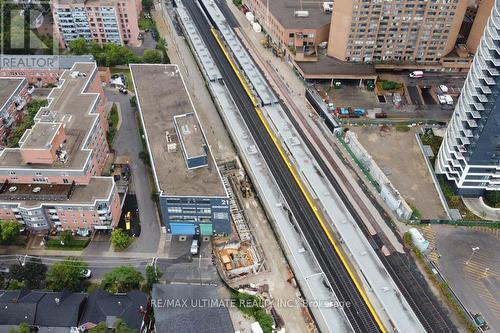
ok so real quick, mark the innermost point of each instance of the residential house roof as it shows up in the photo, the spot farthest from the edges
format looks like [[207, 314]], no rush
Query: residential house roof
[[189, 309], [105, 306]]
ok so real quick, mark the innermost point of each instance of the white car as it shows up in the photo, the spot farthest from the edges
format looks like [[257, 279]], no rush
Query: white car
[[443, 88], [441, 99], [449, 99]]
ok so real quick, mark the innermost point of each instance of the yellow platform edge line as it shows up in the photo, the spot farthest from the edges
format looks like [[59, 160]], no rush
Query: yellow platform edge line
[[299, 183]]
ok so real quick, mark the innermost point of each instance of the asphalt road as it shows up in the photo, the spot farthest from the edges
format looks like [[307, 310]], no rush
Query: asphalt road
[[127, 142], [186, 269]]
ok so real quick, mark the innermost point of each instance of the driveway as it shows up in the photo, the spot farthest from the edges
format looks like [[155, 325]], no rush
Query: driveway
[[127, 142]]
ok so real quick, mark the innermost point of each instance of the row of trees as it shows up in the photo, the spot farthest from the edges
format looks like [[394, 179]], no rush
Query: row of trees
[[67, 274], [114, 54]]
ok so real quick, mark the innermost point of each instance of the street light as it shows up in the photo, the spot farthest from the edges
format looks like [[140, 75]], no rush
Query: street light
[[474, 249]]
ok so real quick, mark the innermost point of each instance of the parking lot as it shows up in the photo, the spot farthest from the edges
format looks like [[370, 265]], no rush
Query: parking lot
[[420, 102], [399, 157], [475, 278]]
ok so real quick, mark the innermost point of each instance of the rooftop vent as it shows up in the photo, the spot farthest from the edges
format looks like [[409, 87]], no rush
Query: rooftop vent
[[301, 13]]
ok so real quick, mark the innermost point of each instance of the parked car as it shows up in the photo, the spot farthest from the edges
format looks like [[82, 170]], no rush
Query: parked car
[[416, 74], [195, 245], [31, 89], [123, 90], [441, 99], [449, 100], [443, 88]]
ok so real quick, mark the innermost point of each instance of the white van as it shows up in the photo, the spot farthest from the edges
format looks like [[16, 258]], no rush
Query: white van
[[416, 74], [195, 246]]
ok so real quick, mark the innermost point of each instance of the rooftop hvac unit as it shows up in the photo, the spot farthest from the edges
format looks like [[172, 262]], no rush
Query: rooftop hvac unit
[[301, 13], [172, 147], [327, 7]]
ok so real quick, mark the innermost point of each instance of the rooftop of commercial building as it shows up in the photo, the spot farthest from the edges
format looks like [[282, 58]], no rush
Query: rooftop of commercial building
[[8, 86], [68, 107], [161, 96], [328, 67], [284, 12], [34, 195], [191, 136]]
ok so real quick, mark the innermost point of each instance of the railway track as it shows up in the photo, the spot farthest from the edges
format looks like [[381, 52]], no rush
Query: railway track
[[359, 315], [400, 266]]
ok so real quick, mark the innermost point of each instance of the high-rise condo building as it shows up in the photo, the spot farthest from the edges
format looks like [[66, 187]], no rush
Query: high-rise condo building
[[470, 153], [395, 31]]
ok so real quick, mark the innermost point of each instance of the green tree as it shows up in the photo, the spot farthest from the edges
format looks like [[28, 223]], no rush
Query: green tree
[[66, 274], [122, 279], [66, 237], [120, 239], [79, 46], [15, 285], [32, 273], [153, 275], [152, 57], [23, 328], [9, 230], [147, 5], [118, 327]]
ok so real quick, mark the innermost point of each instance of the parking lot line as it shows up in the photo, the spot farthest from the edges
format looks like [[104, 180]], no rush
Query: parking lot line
[[478, 274]]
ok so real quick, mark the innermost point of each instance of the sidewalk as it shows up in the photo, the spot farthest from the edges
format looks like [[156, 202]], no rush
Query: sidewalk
[[479, 208]]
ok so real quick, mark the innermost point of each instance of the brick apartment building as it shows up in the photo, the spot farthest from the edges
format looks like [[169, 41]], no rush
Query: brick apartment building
[[409, 34], [104, 21], [13, 99], [41, 76], [53, 180], [296, 30]]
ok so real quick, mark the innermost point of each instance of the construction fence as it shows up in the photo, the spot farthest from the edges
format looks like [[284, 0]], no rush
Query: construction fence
[[376, 176]]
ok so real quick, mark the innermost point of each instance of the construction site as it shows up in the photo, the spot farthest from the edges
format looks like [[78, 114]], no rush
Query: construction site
[[238, 254]]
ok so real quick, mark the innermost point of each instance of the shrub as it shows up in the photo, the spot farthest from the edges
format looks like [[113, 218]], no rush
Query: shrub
[[390, 85], [120, 239]]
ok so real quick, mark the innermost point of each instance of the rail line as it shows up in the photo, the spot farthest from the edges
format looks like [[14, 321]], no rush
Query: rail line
[[360, 314], [420, 298], [400, 266]]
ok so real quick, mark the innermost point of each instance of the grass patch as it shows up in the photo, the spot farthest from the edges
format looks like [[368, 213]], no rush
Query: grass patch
[[416, 214], [73, 245], [113, 119], [251, 306], [388, 85], [402, 128], [25, 123], [455, 201], [428, 138], [492, 198], [238, 3]]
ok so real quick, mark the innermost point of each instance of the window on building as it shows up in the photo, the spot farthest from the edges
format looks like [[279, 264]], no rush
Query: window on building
[[221, 216], [174, 210]]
